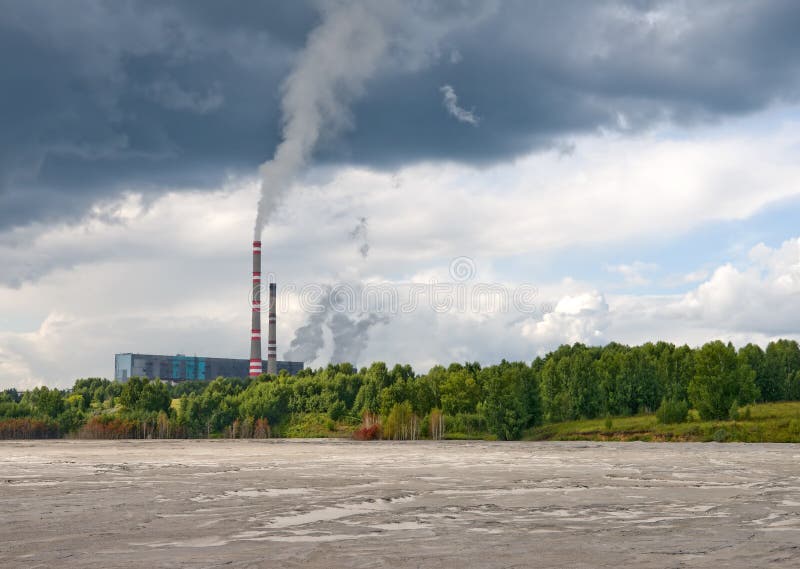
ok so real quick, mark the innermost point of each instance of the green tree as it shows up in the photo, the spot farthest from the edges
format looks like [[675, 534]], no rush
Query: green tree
[[48, 402], [401, 422], [155, 397], [721, 378], [506, 407], [641, 367], [570, 389], [461, 392], [269, 399], [376, 378], [428, 390], [615, 384], [793, 387], [675, 370], [754, 356], [781, 362]]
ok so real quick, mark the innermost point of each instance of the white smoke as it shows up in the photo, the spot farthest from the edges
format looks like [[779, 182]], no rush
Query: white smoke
[[450, 101], [359, 234], [340, 55], [349, 332]]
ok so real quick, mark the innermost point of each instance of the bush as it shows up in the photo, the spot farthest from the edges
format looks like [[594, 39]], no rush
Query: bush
[[720, 435], [28, 429], [402, 424], [465, 423], [672, 411], [103, 427], [370, 428], [435, 424], [337, 410], [371, 433], [609, 424]]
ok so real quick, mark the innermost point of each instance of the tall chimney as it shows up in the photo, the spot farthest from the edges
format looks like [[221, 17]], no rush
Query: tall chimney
[[255, 332], [272, 346]]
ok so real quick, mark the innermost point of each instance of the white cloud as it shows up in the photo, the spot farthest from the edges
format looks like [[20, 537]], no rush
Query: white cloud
[[764, 296], [580, 318], [695, 276], [172, 276], [634, 274]]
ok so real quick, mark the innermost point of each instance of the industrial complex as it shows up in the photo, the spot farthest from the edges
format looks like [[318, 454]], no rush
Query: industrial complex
[[188, 368], [183, 368]]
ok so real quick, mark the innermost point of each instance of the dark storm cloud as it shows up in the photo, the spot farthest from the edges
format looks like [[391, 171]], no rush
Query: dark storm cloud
[[100, 97]]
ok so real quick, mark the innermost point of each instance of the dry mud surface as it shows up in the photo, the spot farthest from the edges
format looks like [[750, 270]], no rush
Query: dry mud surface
[[334, 504]]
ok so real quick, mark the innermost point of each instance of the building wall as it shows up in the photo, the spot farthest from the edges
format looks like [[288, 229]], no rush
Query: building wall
[[180, 367]]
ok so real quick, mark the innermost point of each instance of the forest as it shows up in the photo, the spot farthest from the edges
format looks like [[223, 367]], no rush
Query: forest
[[679, 384]]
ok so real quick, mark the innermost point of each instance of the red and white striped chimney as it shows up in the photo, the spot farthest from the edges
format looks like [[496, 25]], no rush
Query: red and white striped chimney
[[255, 332], [272, 347]]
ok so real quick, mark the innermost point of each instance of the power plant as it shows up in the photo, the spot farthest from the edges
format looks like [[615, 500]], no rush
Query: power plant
[[188, 368]]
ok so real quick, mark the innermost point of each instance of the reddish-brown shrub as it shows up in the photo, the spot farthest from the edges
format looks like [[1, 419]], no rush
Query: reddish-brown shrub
[[370, 433], [261, 429], [28, 429], [109, 428]]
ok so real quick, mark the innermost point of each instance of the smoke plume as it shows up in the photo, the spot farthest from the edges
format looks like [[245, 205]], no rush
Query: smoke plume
[[339, 57], [350, 333], [450, 101], [308, 339], [341, 54], [359, 234]]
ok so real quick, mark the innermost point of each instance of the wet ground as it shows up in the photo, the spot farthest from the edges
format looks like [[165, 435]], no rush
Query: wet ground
[[334, 504]]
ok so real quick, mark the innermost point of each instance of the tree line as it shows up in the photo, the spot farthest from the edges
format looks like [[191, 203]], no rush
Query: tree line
[[460, 400]]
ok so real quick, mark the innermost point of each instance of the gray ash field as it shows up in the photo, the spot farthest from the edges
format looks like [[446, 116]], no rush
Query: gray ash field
[[449, 504]]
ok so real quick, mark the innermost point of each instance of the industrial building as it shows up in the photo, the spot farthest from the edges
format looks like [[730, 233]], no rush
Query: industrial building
[[183, 368], [188, 368]]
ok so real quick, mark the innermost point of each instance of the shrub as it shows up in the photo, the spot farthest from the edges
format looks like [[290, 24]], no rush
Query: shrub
[[261, 429], [28, 429], [672, 411], [609, 424], [370, 428], [103, 427], [402, 424], [465, 423], [720, 435], [436, 424], [337, 410], [371, 433]]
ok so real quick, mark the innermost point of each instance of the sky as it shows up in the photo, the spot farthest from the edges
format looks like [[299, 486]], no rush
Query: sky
[[438, 181]]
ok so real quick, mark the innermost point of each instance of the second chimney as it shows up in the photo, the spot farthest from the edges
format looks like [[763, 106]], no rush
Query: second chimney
[[272, 346]]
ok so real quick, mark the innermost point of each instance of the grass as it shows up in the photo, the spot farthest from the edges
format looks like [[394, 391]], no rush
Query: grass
[[768, 422], [317, 426]]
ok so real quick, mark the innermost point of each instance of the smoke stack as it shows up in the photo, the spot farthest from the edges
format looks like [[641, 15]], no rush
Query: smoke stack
[[272, 346], [255, 332]]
